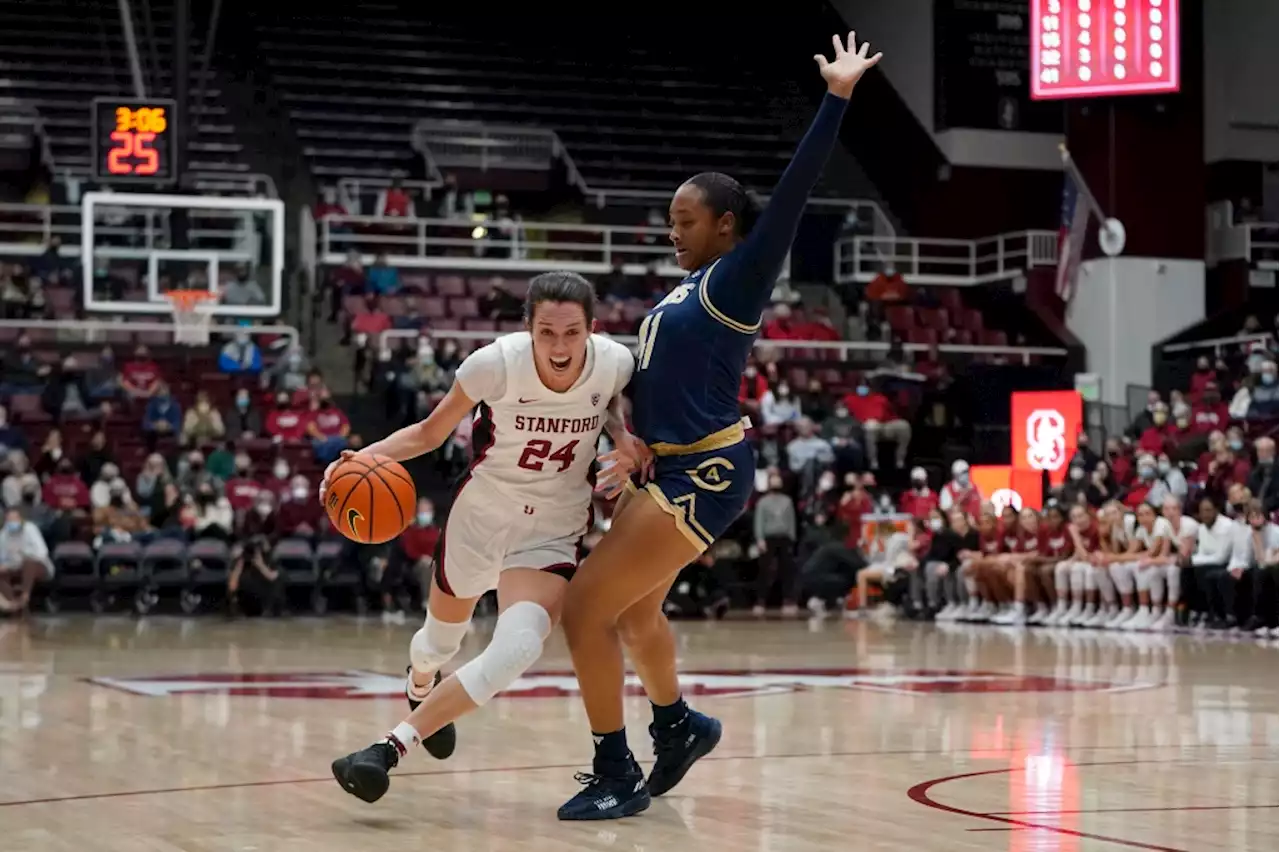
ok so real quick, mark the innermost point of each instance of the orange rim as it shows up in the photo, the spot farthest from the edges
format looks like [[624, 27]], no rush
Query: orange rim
[[187, 300]]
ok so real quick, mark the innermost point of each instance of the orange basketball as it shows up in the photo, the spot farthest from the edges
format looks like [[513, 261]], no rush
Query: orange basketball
[[370, 499]]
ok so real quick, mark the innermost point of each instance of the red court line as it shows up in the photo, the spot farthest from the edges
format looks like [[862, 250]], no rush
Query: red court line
[[920, 794], [1134, 810], [328, 779]]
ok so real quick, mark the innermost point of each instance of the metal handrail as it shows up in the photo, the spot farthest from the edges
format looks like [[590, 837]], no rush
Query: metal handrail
[[92, 326], [844, 347], [937, 261], [1215, 342]]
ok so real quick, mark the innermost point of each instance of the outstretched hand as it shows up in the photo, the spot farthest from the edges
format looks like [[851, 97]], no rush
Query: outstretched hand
[[630, 456], [850, 63], [328, 472]]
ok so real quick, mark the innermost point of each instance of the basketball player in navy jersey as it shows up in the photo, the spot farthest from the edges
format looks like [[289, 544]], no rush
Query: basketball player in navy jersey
[[692, 351]]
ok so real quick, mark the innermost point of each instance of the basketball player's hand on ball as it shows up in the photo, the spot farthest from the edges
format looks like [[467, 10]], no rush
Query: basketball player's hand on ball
[[629, 455], [851, 62], [328, 472]]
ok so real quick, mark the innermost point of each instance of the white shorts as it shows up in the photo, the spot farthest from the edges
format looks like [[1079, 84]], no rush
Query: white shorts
[[489, 532]]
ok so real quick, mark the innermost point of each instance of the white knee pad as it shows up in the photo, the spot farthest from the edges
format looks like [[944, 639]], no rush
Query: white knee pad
[[435, 643], [1102, 579], [1122, 576], [1173, 580], [1062, 577], [1142, 578], [517, 645], [1082, 577]]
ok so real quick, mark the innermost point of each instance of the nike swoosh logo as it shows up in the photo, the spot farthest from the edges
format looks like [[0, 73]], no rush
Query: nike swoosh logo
[[522, 400]]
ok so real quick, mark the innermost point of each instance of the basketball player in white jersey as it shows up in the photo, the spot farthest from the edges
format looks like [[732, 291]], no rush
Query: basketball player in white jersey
[[541, 399]]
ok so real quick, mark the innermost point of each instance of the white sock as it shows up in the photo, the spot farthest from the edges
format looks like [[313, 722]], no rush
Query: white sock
[[404, 737]]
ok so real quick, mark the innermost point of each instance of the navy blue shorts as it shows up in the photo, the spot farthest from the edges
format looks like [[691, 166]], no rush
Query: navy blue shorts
[[704, 492]]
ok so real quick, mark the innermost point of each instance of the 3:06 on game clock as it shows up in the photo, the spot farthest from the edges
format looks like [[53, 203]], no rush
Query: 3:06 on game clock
[[134, 140]]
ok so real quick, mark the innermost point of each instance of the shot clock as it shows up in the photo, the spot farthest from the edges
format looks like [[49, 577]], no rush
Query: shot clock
[[134, 140]]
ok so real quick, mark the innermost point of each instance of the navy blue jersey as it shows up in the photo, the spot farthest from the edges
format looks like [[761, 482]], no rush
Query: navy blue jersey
[[694, 344]]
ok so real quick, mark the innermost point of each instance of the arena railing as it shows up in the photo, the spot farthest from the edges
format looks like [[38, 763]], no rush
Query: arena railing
[[93, 332], [350, 189], [26, 229], [529, 247], [479, 145], [845, 348], [1217, 344], [923, 260], [1258, 243]]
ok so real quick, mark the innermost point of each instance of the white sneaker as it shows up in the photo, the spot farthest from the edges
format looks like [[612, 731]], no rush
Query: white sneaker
[[392, 616], [1083, 618], [985, 612], [1007, 615], [1116, 622], [1142, 620], [1039, 616], [947, 613], [817, 606], [1166, 620], [1072, 615], [1059, 612], [1275, 633]]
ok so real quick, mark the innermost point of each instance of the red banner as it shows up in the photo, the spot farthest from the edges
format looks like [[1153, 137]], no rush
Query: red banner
[[1044, 426], [1002, 485]]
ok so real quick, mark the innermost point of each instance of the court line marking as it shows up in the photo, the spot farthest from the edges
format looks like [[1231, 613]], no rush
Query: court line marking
[[920, 795], [1134, 810], [237, 785]]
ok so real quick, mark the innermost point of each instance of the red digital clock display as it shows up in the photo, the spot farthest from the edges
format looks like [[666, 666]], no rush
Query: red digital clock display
[[134, 140], [1095, 48]]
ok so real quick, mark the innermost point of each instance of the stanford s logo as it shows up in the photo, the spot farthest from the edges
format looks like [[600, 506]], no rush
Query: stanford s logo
[[352, 517], [712, 474], [1046, 439]]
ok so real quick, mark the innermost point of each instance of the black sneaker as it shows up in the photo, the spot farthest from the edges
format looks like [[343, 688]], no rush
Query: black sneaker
[[364, 774], [442, 743], [678, 747], [613, 794]]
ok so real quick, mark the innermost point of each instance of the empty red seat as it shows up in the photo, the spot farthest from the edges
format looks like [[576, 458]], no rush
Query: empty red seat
[[900, 317], [450, 285], [994, 337], [464, 307], [433, 306], [479, 324], [925, 336], [935, 318]]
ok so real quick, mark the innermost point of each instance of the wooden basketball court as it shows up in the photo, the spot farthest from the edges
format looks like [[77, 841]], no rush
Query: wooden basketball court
[[159, 735]]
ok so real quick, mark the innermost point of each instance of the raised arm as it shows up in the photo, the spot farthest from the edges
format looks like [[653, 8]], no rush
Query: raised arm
[[740, 285]]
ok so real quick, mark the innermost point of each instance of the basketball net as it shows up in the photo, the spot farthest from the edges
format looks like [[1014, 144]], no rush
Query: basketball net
[[191, 316]]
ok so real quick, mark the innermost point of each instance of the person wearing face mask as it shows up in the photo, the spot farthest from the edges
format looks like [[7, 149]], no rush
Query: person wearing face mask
[[11, 437], [1146, 477], [1264, 396], [1203, 376], [163, 415], [109, 482], [413, 553], [807, 456], [1210, 413], [1169, 481], [1145, 418], [98, 455], [278, 480], [65, 491], [328, 429], [203, 423], [103, 378], [119, 520], [1258, 545], [285, 422], [780, 326], [1262, 479], [829, 569], [152, 478], [298, 514], [252, 579], [213, 515], [880, 424], [20, 477], [946, 588], [918, 500], [774, 525], [240, 356], [1158, 437], [1076, 487], [778, 406], [1084, 455], [960, 493], [140, 376], [24, 559], [242, 489], [1228, 466], [242, 419], [752, 389]]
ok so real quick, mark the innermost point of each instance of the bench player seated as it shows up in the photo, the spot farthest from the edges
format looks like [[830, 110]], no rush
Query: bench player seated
[[541, 398]]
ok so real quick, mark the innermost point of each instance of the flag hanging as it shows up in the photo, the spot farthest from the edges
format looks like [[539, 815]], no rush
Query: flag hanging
[[1075, 218]]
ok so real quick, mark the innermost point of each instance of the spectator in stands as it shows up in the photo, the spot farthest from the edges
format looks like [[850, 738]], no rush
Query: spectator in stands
[[1262, 479], [880, 423], [780, 326], [1264, 396], [844, 434], [194, 474], [118, 519], [327, 428], [382, 278], [751, 389], [240, 356], [1169, 482], [1209, 414], [348, 279], [151, 479], [96, 456], [1157, 437], [778, 406], [1203, 376], [807, 455], [919, 499], [65, 393], [22, 370], [299, 513], [501, 304], [11, 437], [19, 478], [412, 318], [286, 422], [163, 416], [103, 379], [108, 482], [815, 401], [1228, 466], [24, 557], [171, 511], [960, 493], [1084, 456], [140, 377], [213, 515], [242, 488], [65, 490], [853, 504], [51, 452], [202, 424], [1141, 486], [252, 578], [394, 202], [414, 551], [775, 529], [1261, 549], [278, 482], [1101, 487], [242, 289], [289, 373], [242, 419], [888, 286]]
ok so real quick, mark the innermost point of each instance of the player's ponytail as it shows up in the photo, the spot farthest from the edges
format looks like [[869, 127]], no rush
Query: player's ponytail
[[723, 195], [560, 287]]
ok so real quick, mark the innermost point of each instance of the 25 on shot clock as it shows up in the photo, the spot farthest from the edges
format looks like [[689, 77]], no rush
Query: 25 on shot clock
[[134, 140]]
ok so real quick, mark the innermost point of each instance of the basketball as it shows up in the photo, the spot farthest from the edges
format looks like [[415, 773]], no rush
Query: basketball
[[370, 499]]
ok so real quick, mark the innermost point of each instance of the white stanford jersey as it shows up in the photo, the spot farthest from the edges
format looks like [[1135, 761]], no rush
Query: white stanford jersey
[[530, 443]]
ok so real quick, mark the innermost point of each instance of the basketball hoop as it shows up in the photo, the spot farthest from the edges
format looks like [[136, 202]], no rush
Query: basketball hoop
[[192, 315]]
